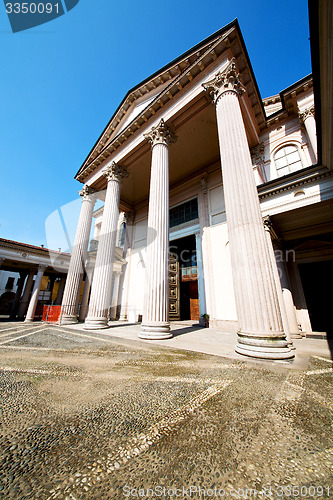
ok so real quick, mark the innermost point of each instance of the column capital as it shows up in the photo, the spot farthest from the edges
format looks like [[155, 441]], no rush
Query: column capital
[[86, 192], [303, 115], [223, 81], [41, 267], [114, 172], [129, 217], [269, 227], [258, 154], [160, 134]]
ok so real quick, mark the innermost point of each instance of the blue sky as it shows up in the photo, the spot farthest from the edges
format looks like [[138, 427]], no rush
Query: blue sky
[[62, 81]]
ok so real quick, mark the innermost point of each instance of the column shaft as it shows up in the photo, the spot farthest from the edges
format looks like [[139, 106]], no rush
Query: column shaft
[[287, 298], [260, 322], [201, 281], [155, 322], [70, 301], [60, 292], [115, 293], [307, 117], [35, 293], [86, 292], [310, 126], [26, 295], [15, 305], [284, 316], [100, 299]]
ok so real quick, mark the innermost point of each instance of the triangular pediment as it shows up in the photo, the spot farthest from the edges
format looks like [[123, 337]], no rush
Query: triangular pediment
[[143, 101]]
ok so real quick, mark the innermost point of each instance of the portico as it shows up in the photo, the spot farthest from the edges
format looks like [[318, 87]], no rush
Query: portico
[[197, 134]]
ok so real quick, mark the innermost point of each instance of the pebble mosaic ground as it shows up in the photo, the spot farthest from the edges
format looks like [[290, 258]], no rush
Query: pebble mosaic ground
[[85, 416]]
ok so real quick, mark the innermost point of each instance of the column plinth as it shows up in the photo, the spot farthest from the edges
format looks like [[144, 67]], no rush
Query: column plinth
[[70, 301], [100, 299], [155, 321], [261, 332]]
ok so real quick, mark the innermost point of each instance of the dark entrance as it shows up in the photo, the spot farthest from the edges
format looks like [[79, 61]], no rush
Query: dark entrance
[[184, 299], [317, 279]]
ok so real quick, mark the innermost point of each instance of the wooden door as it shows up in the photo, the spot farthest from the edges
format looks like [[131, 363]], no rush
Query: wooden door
[[194, 300], [174, 285]]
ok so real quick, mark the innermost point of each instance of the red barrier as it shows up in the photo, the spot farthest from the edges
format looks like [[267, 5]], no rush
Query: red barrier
[[51, 314]]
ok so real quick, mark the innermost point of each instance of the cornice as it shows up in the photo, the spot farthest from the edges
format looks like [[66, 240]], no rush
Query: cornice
[[18, 246], [292, 181], [287, 98]]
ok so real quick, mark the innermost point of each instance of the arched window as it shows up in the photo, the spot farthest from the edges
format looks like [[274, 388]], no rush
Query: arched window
[[287, 160]]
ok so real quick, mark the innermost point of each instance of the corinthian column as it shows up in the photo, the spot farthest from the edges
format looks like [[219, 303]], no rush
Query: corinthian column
[[260, 324], [307, 117], [100, 299], [155, 322], [70, 301], [35, 293]]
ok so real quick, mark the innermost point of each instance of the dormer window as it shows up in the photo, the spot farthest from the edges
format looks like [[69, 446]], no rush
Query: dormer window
[[287, 159]]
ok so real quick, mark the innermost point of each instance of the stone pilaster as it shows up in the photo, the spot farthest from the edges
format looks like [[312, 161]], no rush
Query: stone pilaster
[[155, 322], [260, 324], [100, 299], [35, 293], [70, 301], [307, 118]]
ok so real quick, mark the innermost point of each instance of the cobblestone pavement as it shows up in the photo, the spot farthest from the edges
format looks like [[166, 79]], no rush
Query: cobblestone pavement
[[89, 416]]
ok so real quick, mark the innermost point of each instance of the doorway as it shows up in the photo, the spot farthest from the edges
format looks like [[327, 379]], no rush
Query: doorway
[[183, 280], [317, 278]]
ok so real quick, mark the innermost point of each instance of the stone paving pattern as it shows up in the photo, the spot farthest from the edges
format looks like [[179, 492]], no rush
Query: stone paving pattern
[[89, 416]]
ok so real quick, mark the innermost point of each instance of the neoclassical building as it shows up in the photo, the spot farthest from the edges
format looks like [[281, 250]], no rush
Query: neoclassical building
[[215, 204]]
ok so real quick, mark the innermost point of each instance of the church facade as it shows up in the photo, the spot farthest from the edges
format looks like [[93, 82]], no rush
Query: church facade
[[215, 207]]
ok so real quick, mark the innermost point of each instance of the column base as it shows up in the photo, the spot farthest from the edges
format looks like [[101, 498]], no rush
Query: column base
[[96, 324], [264, 346], [296, 335], [28, 320], [155, 331], [68, 320]]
